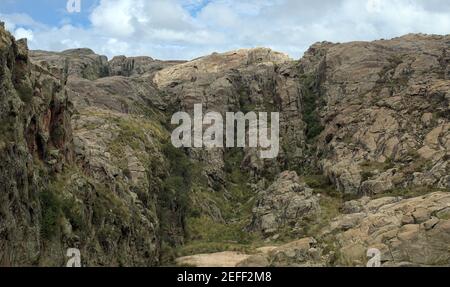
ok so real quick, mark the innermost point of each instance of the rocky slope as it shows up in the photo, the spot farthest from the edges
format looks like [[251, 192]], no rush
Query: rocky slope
[[86, 158], [77, 171], [35, 141]]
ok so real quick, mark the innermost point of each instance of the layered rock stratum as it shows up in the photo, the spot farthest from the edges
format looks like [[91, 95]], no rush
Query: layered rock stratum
[[86, 159]]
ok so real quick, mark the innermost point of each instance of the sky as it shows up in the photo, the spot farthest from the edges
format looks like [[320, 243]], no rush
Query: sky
[[186, 29]]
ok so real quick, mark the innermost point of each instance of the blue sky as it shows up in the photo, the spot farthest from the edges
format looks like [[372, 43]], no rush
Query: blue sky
[[50, 12], [185, 29]]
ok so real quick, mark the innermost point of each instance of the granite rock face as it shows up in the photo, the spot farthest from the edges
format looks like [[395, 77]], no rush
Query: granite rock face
[[407, 232], [384, 112], [286, 203], [243, 80], [414, 231], [35, 132], [78, 169]]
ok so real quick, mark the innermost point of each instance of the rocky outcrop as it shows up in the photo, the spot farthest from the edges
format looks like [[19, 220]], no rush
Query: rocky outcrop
[[300, 253], [82, 63], [413, 232], [343, 108], [243, 80], [382, 104], [35, 141], [78, 170], [123, 66], [286, 203], [407, 232]]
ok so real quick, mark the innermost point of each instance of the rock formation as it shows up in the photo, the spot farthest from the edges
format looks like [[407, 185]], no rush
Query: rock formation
[[86, 160], [286, 203]]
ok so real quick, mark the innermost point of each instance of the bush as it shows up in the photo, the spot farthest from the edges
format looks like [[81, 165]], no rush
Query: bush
[[174, 198], [311, 100], [51, 214], [25, 92], [317, 181]]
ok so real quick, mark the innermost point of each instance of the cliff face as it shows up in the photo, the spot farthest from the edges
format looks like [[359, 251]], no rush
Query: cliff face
[[370, 116], [385, 112], [87, 162], [35, 142], [84, 177], [243, 80]]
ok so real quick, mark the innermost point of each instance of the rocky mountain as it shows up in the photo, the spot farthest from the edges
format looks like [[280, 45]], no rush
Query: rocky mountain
[[87, 162]]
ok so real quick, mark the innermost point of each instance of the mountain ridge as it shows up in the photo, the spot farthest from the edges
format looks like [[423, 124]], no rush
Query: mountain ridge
[[87, 161]]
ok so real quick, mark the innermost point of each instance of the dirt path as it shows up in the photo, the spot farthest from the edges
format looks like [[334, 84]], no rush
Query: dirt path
[[221, 259]]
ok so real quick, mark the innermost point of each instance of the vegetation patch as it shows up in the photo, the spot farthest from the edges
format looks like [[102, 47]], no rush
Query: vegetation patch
[[312, 102], [371, 168], [207, 234]]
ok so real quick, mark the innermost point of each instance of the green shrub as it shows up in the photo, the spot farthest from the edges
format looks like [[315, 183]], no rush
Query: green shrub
[[25, 92], [174, 198], [316, 181], [58, 134], [311, 105], [51, 212], [73, 213], [369, 168]]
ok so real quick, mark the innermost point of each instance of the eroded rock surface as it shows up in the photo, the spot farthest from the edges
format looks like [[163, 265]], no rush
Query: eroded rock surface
[[286, 203], [385, 104], [79, 168], [415, 231]]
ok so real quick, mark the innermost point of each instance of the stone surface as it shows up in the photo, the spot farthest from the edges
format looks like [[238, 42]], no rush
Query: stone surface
[[63, 178], [221, 259], [405, 230], [286, 203]]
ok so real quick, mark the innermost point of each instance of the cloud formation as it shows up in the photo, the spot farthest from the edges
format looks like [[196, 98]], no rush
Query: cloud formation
[[185, 29]]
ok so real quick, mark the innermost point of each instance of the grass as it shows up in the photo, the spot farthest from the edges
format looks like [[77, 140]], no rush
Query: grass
[[330, 202], [56, 205], [144, 137], [59, 204], [444, 216], [51, 215], [7, 129], [25, 92], [207, 234], [204, 231], [369, 168]]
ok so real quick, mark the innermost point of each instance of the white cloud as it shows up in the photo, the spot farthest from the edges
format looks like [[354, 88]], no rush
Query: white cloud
[[117, 18], [184, 29], [20, 33]]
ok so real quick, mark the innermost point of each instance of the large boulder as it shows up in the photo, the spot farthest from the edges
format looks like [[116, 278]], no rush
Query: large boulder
[[288, 202], [414, 231]]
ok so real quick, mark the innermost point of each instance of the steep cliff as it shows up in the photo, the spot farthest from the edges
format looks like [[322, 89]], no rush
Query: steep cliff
[[75, 176], [384, 111], [36, 142]]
